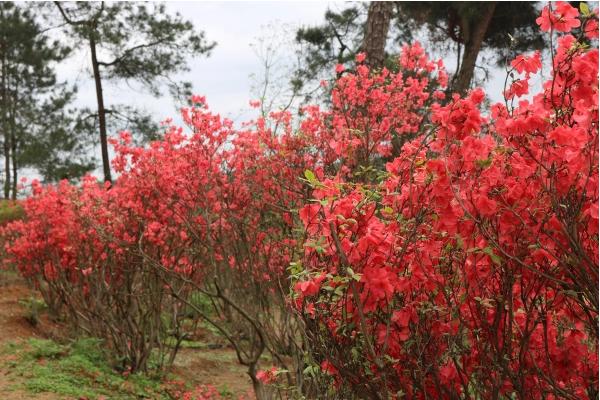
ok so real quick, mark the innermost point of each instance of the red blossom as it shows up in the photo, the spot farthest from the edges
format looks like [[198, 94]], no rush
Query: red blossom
[[530, 65]]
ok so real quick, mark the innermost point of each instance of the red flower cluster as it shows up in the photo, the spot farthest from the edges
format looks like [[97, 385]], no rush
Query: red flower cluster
[[471, 267], [183, 208]]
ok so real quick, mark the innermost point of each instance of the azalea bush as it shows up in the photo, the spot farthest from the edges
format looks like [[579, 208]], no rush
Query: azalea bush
[[401, 242], [86, 258], [124, 263], [236, 219], [470, 267]]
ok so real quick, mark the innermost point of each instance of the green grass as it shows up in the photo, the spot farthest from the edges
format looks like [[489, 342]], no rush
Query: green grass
[[225, 391], [79, 369], [186, 344], [33, 308], [10, 211]]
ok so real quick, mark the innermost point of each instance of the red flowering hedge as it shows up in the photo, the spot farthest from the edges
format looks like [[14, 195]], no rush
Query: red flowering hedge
[[470, 269], [429, 249]]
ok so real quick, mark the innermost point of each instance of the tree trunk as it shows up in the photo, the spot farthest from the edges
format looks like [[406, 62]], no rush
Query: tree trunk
[[14, 166], [101, 110], [376, 31], [6, 164], [13, 142], [259, 388], [5, 128], [473, 33]]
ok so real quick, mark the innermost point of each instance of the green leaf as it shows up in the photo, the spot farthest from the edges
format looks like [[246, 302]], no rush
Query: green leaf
[[493, 256], [585, 10], [387, 210], [310, 370], [353, 274], [570, 293], [310, 176], [484, 163], [459, 242]]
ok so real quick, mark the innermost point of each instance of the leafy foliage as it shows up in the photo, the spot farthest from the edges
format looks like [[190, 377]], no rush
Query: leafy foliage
[[448, 26], [39, 131]]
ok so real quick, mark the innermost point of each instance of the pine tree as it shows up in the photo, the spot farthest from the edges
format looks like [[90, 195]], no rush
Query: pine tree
[[56, 143], [376, 30], [468, 27], [133, 42], [27, 85]]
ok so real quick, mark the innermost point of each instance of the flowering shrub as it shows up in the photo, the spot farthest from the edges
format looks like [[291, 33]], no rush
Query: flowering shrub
[[124, 262], [471, 267], [372, 115], [443, 252], [80, 248]]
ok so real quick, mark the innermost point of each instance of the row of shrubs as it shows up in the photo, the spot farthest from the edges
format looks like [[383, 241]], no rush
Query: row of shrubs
[[397, 244]]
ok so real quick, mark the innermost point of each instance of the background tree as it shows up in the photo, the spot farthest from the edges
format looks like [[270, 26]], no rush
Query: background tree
[[277, 52], [466, 27], [376, 30], [56, 144], [336, 41], [472, 27], [30, 96], [131, 42]]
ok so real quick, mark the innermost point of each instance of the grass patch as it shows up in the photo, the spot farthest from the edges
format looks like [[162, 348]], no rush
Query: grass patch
[[41, 348], [79, 369], [33, 309], [225, 391], [10, 211], [186, 344]]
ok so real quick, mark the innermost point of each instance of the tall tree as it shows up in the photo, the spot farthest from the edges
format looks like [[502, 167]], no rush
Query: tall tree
[[131, 41], [466, 27], [376, 32], [27, 83], [336, 41], [471, 27], [472, 31]]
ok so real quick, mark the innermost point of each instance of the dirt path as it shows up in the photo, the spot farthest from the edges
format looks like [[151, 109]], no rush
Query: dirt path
[[198, 366]]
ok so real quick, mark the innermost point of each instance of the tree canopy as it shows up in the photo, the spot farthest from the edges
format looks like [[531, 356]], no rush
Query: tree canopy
[[457, 26], [38, 131], [132, 42]]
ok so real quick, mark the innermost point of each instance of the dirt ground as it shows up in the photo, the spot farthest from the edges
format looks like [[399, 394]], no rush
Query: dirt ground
[[200, 366]]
